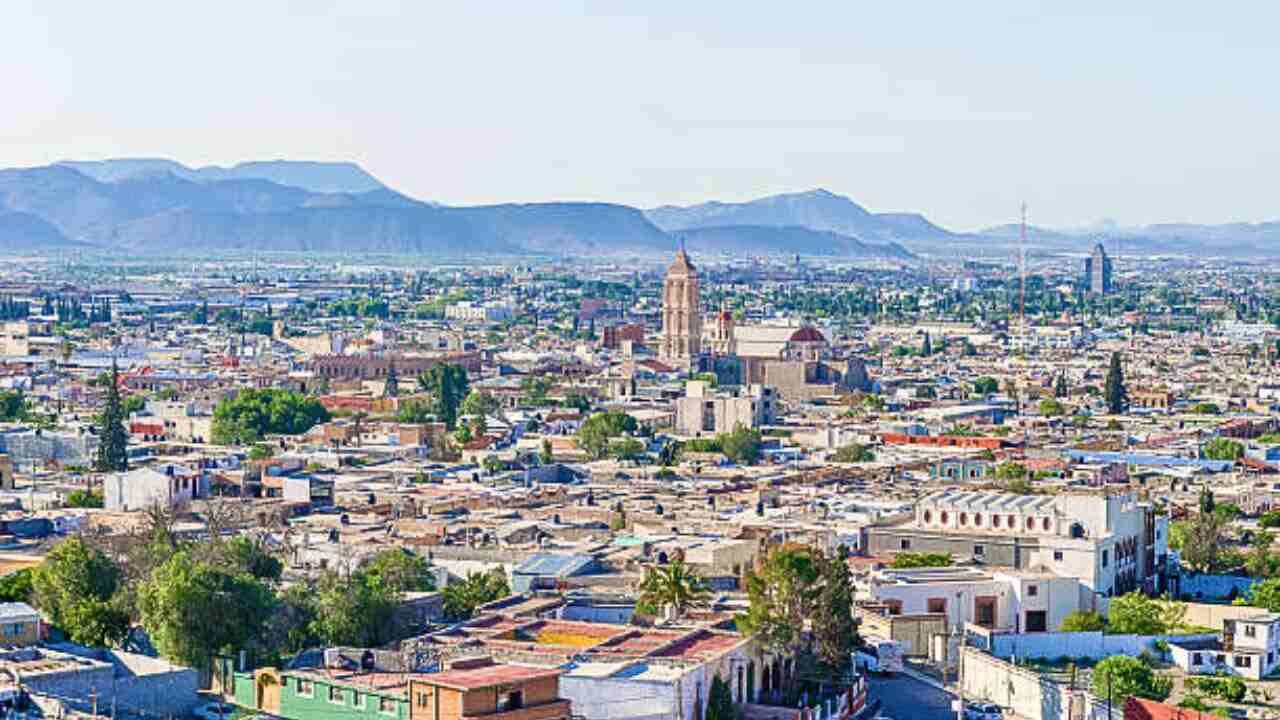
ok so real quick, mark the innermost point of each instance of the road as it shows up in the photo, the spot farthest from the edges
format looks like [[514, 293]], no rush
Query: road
[[902, 697]]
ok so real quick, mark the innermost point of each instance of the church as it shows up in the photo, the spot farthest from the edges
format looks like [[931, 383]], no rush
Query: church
[[795, 358]]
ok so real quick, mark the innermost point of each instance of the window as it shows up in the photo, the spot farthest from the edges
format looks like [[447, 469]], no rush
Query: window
[[1196, 659], [937, 605], [905, 544], [306, 688], [1045, 524], [357, 699], [964, 519], [995, 521], [1250, 631], [1033, 590], [1037, 621], [928, 516], [979, 551], [1105, 558], [1031, 523], [423, 699], [335, 696], [1243, 661], [513, 700], [1057, 556], [386, 706], [977, 519]]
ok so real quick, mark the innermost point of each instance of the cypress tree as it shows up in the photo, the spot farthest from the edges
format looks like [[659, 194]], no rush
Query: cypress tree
[[1116, 394], [113, 440], [392, 387], [1060, 387], [926, 348]]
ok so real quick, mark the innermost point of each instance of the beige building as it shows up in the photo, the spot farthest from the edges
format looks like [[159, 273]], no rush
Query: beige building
[[706, 411], [681, 314]]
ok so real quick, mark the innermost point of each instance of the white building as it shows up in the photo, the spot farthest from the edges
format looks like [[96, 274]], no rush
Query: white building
[[1248, 647], [139, 489], [1002, 600], [703, 410], [468, 312]]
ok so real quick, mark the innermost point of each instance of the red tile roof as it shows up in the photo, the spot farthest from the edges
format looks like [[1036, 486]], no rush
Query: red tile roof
[[483, 677]]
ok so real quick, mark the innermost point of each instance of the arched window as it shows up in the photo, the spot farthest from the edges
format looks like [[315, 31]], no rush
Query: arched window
[[964, 519], [1045, 524], [928, 516], [1031, 523], [995, 521], [944, 517], [977, 519]]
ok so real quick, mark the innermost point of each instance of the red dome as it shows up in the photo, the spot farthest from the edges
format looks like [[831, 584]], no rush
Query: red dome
[[808, 333]]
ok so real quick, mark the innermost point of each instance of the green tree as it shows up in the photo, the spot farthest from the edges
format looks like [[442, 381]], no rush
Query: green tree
[[493, 465], [75, 587], [627, 449], [1266, 594], [480, 403], [674, 585], [782, 595], [1201, 540], [16, 586], [1083, 621], [533, 390], [1260, 562], [1119, 677], [1049, 407], [400, 570], [835, 633], [84, 499], [1270, 519], [1060, 388], [13, 406], [919, 560], [261, 451], [462, 598], [1116, 395], [985, 385], [1223, 449], [241, 554], [720, 701], [358, 610], [741, 445], [853, 453], [415, 411], [546, 455], [447, 386], [113, 439], [193, 609], [1137, 614], [595, 434], [252, 414]]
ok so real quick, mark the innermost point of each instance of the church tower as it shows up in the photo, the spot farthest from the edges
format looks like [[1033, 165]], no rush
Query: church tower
[[681, 313]]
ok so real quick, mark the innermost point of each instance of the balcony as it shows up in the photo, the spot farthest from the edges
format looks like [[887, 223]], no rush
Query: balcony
[[545, 711]]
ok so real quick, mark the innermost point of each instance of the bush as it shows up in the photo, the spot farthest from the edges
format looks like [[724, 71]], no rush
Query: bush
[[1231, 689], [1083, 621], [917, 560], [1121, 676]]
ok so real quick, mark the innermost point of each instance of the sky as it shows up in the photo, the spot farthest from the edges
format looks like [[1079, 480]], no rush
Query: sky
[[1136, 112]]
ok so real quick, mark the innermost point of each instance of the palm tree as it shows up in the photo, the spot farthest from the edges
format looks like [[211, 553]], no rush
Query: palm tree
[[674, 585]]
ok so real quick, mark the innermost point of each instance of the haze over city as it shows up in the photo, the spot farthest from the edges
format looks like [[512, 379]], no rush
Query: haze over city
[[1139, 113]]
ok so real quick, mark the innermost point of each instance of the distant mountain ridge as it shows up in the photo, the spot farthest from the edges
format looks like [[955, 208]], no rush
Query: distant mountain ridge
[[319, 177], [815, 209]]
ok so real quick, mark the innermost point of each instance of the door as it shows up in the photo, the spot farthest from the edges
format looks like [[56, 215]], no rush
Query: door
[[984, 611]]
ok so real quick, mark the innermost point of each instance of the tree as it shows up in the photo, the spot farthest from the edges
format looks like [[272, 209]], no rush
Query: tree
[[926, 347], [479, 403], [720, 701], [414, 411], [352, 611], [16, 586], [13, 406], [1201, 543], [1137, 614], [1266, 594], [1119, 677], [261, 451], [782, 596], [113, 439], [853, 453], [254, 413], [1050, 407], [83, 499], [1270, 519], [533, 390], [493, 465], [1060, 389], [919, 560], [1223, 449], [985, 385], [241, 554], [462, 598], [673, 585], [835, 633], [193, 609], [400, 570], [447, 385], [627, 449], [391, 387], [546, 455], [741, 445], [595, 434], [1117, 396], [1260, 562], [75, 587], [1083, 621]]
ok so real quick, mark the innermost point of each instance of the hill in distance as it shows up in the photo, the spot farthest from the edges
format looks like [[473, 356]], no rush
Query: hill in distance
[[318, 177]]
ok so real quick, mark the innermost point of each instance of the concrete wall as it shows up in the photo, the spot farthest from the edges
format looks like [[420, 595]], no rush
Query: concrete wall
[[1212, 616], [1093, 645], [1214, 587]]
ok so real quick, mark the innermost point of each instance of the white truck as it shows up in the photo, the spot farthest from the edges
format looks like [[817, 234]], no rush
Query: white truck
[[878, 655]]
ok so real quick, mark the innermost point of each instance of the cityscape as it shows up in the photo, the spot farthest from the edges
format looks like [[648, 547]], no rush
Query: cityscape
[[294, 439]]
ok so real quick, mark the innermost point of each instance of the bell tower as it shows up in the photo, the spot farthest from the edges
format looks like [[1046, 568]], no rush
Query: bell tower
[[681, 313]]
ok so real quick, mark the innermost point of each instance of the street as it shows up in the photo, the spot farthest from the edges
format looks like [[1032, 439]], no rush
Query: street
[[902, 697]]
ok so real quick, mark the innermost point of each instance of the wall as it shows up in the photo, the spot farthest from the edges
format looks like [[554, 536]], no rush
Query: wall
[[1207, 615], [1023, 691], [1214, 587], [1095, 645]]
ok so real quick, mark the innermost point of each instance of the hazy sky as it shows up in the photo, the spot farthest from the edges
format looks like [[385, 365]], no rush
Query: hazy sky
[[957, 109]]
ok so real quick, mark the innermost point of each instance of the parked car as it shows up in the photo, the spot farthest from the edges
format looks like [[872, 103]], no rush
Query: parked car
[[982, 711]]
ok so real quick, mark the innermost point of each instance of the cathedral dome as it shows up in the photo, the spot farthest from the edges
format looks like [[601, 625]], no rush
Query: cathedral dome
[[808, 333]]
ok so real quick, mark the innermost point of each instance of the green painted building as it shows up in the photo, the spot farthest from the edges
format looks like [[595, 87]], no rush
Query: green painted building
[[323, 694]]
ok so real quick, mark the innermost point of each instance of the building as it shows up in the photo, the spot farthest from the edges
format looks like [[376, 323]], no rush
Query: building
[[469, 312], [489, 692], [144, 487], [1248, 647], [706, 411], [1112, 543], [1097, 271], [681, 314], [1000, 600], [613, 336], [19, 625], [372, 367]]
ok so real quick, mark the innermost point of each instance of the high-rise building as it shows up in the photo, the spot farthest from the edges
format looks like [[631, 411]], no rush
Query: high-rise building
[[681, 313], [1097, 271]]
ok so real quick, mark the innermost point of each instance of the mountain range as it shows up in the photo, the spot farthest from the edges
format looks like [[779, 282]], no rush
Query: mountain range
[[155, 205]]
